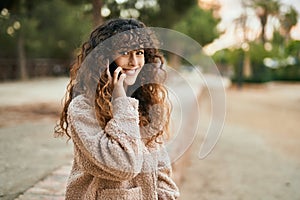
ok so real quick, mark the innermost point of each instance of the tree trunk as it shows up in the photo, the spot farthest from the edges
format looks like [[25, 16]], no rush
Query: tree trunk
[[22, 70], [97, 18], [263, 21], [247, 65], [240, 72]]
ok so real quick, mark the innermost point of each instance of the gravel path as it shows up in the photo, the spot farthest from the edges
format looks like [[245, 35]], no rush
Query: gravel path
[[257, 156], [28, 151]]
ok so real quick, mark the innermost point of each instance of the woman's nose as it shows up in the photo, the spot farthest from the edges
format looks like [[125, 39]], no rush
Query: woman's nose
[[133, 60]]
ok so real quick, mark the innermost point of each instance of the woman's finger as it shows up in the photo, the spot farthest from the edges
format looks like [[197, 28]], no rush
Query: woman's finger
[[116, 74], [122, 78]]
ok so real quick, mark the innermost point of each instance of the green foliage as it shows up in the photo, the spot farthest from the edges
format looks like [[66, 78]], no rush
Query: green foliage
[[51, 29], [60, 29], [160, 13], [54, 28], [281, 51], [228, 56], [199, 24], [293, 48], [260, 73], [289, 19], [257, 53], [171, 11], [8, 44], [277, 38], [290, 72]]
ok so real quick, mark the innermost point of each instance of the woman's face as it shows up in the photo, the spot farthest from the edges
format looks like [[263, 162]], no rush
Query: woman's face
[[131, 63]]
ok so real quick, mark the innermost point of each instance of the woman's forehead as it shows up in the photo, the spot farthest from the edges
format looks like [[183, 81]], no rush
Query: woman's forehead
[[130, 49], [127, 47]]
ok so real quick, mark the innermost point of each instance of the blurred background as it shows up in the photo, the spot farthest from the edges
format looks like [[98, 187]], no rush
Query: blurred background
[[255, 45], [250, 40]]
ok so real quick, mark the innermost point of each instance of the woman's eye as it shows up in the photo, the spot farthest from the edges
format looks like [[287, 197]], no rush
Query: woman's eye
[[140, 52], [124, 53]]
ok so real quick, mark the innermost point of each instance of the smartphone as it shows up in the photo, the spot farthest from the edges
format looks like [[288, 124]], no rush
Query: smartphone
[[112, 67]]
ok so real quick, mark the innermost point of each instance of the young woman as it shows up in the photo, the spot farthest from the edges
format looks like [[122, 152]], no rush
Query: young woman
[[118, 118]]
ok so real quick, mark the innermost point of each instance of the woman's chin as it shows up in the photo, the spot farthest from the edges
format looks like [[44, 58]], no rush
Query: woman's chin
[[129, 81]]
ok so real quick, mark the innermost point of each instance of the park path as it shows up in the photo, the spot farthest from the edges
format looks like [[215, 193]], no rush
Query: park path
[[28, 151], [257, 156]]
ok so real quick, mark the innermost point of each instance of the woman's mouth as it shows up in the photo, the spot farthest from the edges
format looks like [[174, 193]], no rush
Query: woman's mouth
[[130, 72]]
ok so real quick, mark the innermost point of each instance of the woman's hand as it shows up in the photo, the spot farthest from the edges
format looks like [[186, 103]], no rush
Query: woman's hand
[[116, 83]]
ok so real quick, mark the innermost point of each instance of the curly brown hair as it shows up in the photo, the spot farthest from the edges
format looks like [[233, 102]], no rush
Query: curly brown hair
[[88, 75]]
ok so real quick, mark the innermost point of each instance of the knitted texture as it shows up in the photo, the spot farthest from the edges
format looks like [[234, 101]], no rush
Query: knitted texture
[[114, 163]]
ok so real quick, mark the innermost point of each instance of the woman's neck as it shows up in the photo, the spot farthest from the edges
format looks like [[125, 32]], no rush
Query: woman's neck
[[125, 87]]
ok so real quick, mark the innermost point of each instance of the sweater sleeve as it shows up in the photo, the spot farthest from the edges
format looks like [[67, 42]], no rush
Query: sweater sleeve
[[113, 153], [167, 189]]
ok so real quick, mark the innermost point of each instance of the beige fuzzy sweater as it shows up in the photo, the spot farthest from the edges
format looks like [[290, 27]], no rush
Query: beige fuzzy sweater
[[114, 163]]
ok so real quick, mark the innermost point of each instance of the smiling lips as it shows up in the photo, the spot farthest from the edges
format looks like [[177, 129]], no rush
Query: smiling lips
[[129, 72]]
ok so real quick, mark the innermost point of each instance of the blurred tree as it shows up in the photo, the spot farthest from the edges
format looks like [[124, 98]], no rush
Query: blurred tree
[[288, 19], [59, 27], [255, 51], [290, 70], [52, 28], [264, 9], [41, 29], [168, 13], [199, 24], [158, 13], [97, 17], [19, 11], [91, 5], [286, 15]]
